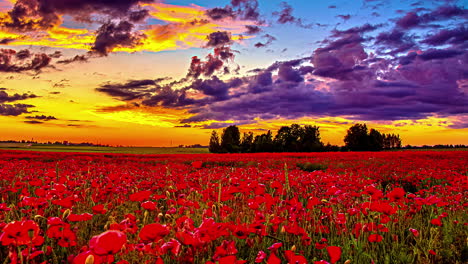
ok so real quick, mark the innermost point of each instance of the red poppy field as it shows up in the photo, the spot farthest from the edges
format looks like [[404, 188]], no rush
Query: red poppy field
[[369, 207]]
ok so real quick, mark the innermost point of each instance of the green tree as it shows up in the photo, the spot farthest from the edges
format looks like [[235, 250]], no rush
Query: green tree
[[214, 146], [230, 139], [356, 138]]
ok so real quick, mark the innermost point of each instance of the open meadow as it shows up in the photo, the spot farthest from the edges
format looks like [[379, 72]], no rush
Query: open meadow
[[355, 207]]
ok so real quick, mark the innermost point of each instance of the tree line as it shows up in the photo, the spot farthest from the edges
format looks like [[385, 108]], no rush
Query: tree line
[[296, 138]]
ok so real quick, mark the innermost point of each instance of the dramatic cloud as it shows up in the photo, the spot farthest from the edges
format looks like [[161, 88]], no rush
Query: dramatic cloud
[[23, 60], [134, 89], [458, 35], [251, 30], [110, 26], [285, 16], [111, 35], [269, 39], [367, 72], [219, 13], [219, 60], [28, 15], [14, 110], [218, 39], [5, 98]]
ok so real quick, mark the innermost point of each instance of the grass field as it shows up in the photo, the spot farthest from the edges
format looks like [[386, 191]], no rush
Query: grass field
[[92, 149]]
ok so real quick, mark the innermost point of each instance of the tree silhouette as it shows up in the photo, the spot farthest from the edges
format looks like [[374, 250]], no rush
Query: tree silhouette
[[310, 139], [356, 138], [263, 143], [376, 140], [230, 140], [247, 142], [214, 146]]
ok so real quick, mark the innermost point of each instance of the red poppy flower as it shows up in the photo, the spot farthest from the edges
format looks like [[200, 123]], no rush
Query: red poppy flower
[[153, 232], [260, 257], [293, 258], [108, 243], [140, 196], [273, 259], [197, 164], [414, 231], [436, 222], [374, 238], [334, 253], [99, 209], [396, 194], [21, 233], [148, 205]]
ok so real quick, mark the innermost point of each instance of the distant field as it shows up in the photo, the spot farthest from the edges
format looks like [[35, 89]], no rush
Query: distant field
[[127, 150]]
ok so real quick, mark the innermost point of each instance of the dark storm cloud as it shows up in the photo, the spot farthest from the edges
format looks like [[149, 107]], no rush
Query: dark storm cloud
[[269, 39], [217, 61], [5, 98], [285, 16], [42, 117], [456, 35], [251, 30], [111, 35], [219, 13], [131, 90], [77, 58], [355, 30], [6, 41], [445, 12], [15, 109], [219, 38], [238, 9], [246, 9], [27, 15], [23, 60], [394, 42]]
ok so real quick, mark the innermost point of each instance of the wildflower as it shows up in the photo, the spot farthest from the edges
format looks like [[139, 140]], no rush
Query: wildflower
[[21, 233], [334, 253], [153, 232], [436, 222], [414, 231], [108, 243], [374, 238]]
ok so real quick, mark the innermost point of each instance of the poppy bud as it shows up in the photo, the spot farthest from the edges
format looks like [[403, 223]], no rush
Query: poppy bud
[[283, 230], [89, 259], [293, 248], [160, 216], [66, 213], [347, 261]]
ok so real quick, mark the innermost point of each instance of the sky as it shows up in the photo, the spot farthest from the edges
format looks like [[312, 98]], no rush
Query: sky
[[167, 73]]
